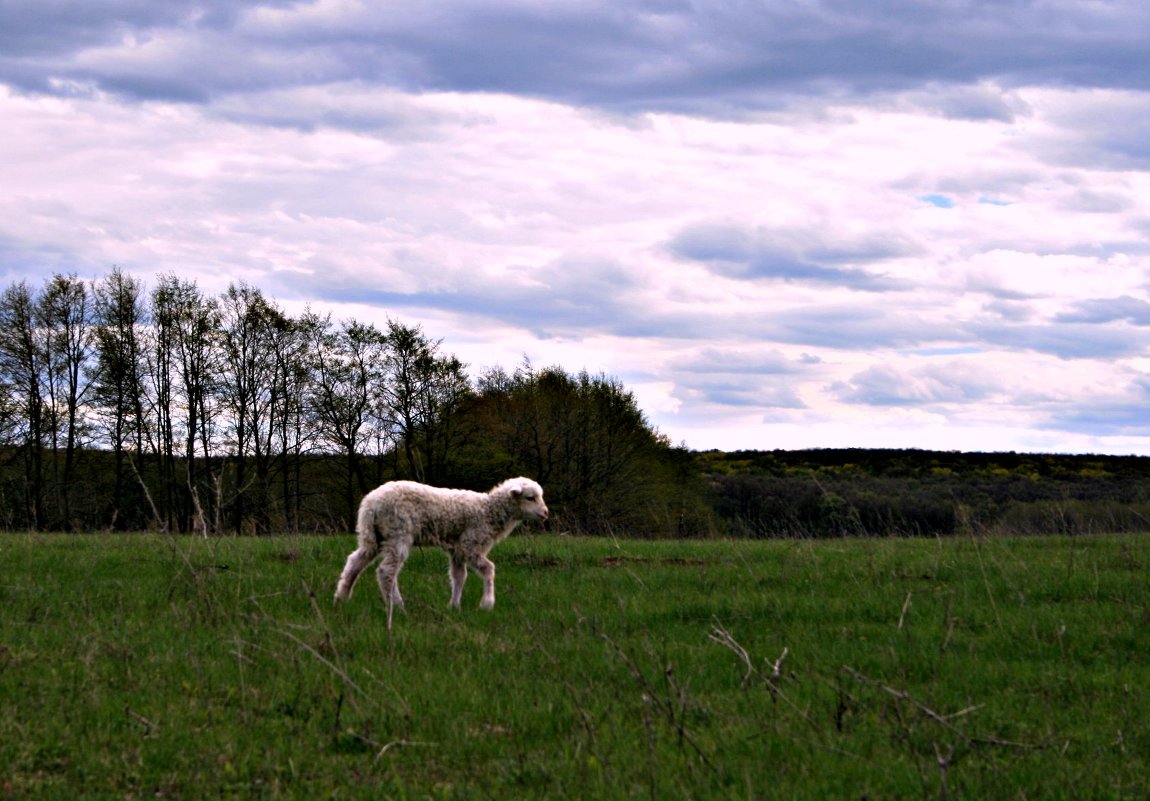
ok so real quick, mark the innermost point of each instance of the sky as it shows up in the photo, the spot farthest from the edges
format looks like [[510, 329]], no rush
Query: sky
[[781, 224]]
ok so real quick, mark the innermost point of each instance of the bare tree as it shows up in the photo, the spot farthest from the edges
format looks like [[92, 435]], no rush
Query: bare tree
[[184, 356], [348, 367], [250, 326], [22, 368], [65, 317], [289, 434], [422, 391], [118, 388]]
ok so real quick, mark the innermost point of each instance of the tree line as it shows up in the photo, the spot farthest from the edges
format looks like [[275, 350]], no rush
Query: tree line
[[837, 492], [124, 407]]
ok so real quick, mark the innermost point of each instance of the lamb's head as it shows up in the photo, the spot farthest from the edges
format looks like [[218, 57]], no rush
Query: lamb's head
[[526, 497]]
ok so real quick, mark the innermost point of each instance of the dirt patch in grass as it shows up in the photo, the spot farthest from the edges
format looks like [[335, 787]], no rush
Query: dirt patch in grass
[[617, 561], [530, 560]]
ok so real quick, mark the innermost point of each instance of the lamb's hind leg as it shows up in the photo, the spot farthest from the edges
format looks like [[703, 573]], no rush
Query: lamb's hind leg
[[394, 555], [357, 560]]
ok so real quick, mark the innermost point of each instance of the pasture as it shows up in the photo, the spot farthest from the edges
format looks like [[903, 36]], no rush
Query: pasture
[[144, 666]]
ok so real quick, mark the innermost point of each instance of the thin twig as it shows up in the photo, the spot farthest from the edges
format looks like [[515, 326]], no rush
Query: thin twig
[[942, 720], [584, 717], [148, 725], [650, 695], [331, 665], [401, 744], [905, 606], [724, 638], [986, 581], [160, 523]]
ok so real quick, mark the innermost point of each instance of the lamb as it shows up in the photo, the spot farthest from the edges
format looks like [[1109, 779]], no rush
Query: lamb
[[466, 524]]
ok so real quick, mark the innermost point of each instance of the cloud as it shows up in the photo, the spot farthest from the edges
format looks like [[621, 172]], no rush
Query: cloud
[[752, 395], [788, 255], [1108, 310], [860, 328], [984, 102], [1067, 340], [743, 360], [938, 384], [1106, 128], [792, 223], [1124, 413], [556, 299], [711, 59]]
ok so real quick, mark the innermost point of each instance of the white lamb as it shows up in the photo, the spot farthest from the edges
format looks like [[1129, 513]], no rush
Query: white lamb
[[466, 524]]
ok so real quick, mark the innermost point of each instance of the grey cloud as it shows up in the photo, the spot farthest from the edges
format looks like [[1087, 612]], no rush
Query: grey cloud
[[884, 386], [752, 396], [1109, 310], [1103, 131], [1010, 310], [570, 297], [846, 327], [42, 45], [1070, 340], [347, 107], [1097, 202], [856, 328], [804, 256], [741, 360], [711, 58], [1127, 413], [559, 299], [742, 377], [714, 243], [1104, 419], [19, 259], [978, 102], [1009, 302]]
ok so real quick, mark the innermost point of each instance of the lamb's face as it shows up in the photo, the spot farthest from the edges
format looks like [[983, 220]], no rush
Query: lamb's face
[[529, 497]]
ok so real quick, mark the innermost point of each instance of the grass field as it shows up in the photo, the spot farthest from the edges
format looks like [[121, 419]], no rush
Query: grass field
[[145, 666]]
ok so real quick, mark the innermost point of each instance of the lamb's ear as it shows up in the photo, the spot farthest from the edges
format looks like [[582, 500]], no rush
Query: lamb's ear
[[517, 493]]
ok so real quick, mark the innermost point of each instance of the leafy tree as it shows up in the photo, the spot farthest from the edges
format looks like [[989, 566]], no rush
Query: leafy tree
[[586, 440]]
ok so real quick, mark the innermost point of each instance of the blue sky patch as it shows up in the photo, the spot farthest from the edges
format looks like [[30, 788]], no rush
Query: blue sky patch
[[941, 201]]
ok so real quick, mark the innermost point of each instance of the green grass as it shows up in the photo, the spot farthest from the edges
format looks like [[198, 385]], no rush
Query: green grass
[[150, 667]]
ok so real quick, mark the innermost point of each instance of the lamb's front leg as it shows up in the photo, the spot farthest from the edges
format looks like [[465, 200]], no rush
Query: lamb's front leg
[[458, 577], [486, 568]]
